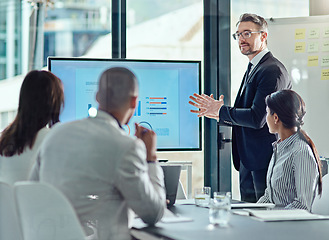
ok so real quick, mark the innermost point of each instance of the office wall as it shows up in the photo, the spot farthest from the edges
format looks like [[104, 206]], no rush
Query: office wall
[[302, 44]]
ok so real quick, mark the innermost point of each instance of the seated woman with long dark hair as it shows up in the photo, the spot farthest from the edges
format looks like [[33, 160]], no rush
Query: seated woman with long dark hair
[[40, 102], [294, 172]]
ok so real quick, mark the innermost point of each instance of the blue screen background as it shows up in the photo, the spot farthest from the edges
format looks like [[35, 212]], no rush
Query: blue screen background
[[164, 90]]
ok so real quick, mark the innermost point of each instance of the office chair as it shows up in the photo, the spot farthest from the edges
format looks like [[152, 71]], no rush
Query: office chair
[[9, 223], [321, 204], [45, 213]]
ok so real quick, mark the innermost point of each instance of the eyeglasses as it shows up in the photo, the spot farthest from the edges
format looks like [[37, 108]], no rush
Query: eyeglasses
[[244, 35]]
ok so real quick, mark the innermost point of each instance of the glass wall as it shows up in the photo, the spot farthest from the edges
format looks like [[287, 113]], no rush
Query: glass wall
[[31, 31], [10, 38], [156, 29], [165, 29], [169, 30], [73, 27]]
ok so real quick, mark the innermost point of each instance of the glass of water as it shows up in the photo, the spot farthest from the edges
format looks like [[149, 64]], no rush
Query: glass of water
[[202, 196], [220, 209]]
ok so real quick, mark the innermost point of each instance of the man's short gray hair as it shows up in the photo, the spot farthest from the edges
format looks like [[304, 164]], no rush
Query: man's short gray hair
[[116, 86], [258, 20]]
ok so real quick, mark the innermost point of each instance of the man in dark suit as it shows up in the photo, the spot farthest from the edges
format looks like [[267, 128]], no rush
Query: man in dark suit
[[251, 140]]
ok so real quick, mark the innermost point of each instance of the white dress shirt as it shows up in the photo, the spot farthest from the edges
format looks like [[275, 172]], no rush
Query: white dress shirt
[[257, 58], [292, 174], [17, 167], [104, 174]]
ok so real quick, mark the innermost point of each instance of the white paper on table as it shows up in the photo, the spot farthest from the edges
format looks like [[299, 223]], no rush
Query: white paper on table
[[170, 217], [252, 205], [190, 201], [284, 215], [241, 212]]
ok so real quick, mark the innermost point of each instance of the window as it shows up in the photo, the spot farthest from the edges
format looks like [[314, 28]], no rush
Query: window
[[75, 28], [10, 39], [4, 120], [156, 29], [170, 30]]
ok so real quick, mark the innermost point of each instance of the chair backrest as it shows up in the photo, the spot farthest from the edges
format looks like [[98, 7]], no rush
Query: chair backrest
[[171, 180], [45, 213], [321, 204], [9, 222]]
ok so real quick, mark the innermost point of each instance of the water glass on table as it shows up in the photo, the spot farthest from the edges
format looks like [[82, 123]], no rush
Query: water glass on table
[[202, 196], [220, 209]]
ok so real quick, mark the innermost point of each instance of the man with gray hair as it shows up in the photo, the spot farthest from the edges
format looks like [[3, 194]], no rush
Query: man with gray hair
[[103, 172], [251, 140]]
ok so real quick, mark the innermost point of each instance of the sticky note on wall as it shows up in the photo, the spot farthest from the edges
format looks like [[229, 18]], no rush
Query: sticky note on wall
[[314, 33], [325, 61], [299, 47], [300, 33], [312, 61], [325, 46], [313, 47], [325, 74], [326, 32]]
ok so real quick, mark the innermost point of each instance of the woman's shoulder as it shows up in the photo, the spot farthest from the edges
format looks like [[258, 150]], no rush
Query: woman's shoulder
[[40, 136], [300, 149], [299, 144]]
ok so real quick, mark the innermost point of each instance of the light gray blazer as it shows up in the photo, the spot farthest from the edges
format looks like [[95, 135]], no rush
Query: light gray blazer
[[104, 174]]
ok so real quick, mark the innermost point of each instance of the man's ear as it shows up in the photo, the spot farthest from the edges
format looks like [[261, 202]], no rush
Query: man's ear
[[264, 36], [133, 102]]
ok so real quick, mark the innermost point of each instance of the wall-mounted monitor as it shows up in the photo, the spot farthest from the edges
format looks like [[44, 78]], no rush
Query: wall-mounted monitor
[[164, 90]]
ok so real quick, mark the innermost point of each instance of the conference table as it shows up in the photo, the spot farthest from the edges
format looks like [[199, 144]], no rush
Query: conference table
[[240, 227]]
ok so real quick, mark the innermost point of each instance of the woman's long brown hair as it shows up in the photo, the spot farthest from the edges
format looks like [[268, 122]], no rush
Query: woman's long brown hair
[[40, 102]]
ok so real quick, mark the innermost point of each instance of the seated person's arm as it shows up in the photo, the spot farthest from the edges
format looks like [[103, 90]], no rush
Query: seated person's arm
[[142, 184]]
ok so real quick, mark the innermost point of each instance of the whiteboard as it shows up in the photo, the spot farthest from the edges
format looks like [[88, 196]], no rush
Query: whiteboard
[[302, 45]]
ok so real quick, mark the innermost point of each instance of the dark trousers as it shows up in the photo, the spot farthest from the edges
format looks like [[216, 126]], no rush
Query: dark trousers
[[252, 183]]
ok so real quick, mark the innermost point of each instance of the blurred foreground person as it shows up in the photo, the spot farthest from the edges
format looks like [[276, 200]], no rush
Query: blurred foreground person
[[40, 101], [105, 173]]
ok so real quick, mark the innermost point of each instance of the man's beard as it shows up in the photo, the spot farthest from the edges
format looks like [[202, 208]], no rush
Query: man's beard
[[249, 52]]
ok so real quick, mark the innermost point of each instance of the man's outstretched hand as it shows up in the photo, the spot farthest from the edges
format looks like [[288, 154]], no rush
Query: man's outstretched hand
[[208, 106]]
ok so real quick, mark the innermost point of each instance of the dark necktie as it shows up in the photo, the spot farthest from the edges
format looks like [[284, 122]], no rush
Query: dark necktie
[[246, 77], [248, 71]]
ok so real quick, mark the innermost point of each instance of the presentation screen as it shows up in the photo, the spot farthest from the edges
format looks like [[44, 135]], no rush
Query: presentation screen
[[164, 90]]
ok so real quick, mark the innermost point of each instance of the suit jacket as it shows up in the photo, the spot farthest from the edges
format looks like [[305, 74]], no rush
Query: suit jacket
[[251, 140], [104, 174]]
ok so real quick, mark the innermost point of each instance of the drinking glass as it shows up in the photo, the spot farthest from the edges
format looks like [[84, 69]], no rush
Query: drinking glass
[[202, 196], [220, 208]]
